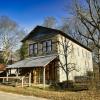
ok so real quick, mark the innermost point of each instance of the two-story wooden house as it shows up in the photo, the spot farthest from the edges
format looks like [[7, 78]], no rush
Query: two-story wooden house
[[48, 51]]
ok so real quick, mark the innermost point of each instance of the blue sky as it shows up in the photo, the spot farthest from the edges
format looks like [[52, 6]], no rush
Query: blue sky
[[28, 13]]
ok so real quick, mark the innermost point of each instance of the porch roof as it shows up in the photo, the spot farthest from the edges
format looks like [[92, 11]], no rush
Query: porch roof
[[40, 61]]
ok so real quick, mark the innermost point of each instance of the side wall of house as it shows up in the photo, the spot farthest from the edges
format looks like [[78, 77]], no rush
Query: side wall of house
[[77, 55]]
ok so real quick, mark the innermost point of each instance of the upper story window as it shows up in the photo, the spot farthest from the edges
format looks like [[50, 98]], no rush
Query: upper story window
[[47, 46], [33, 49]]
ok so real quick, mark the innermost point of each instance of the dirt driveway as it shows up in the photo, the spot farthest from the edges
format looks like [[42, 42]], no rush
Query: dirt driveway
[[10, 96]]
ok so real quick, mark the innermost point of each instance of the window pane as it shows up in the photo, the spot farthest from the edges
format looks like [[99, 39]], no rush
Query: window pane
[[48, 43], [48, 48], [44, 49], [35, 51], [30, 52], [35, 46], [44, 44], [31, 46]]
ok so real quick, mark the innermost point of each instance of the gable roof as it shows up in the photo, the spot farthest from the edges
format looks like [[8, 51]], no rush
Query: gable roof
[[49, 30]]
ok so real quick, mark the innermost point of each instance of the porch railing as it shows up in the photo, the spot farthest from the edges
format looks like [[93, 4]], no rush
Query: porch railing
[[16, 81]]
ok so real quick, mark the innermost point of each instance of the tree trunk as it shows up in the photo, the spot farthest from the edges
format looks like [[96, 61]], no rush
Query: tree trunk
[[67, 79], [66, 71]]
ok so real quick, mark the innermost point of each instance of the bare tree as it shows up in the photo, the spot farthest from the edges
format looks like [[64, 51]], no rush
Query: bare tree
[[10, 36], [68, 26], [67, 52], [65, 26], [49, 22], [87, 24]]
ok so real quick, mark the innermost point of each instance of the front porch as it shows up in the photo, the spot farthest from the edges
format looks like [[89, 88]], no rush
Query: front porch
[[47, 73], [44, 71]]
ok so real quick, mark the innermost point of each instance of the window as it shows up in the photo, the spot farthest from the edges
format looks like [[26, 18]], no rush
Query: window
[[47, 46], [33, 49]]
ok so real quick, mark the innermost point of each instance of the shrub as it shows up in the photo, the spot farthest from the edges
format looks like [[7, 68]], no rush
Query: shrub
[[81, 79], [69, 85], [79, 87], [62, 85]]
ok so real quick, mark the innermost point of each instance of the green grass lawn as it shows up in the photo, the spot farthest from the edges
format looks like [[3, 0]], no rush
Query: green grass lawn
[[52, 94]]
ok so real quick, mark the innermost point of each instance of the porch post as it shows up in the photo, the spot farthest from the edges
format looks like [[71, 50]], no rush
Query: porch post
[[17, 77], [30, 79], [43, 77], [22, 81], [17, 72], [10, 71], [7, 75], [39, 75]]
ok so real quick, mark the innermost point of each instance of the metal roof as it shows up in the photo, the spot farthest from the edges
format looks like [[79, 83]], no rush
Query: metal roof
[[39, 61]]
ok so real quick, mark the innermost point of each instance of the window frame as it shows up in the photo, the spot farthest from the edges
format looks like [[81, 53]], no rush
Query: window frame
[[33, 49], [30, 49], [46, 46]]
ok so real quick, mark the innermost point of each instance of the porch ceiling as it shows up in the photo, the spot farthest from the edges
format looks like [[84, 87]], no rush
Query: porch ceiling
[[39, 61]]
